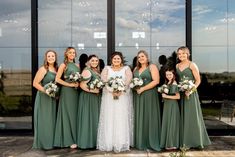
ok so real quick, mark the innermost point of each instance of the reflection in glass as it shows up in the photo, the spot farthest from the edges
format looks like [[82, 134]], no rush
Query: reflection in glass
[[209, 19], [15, 23], [153, 24], [15, 88]]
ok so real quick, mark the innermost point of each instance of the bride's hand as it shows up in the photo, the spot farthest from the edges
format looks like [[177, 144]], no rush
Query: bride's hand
[[117, 94]]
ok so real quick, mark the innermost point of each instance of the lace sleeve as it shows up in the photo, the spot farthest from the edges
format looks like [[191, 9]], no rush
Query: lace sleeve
[[128, 74], [104, 74]]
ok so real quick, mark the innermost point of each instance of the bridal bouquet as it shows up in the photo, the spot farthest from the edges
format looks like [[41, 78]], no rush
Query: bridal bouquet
[[116, 85], [51, 89], [136, 83], [74, 77], [97, 83], [163, 89], [187, 85]]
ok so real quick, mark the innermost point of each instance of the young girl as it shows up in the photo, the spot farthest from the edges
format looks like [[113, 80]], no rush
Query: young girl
[[45, 106], [171, 114]]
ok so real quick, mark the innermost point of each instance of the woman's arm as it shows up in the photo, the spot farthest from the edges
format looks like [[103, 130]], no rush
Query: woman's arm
[[86, 74], [196, 74], [59, 75], [38, 78]]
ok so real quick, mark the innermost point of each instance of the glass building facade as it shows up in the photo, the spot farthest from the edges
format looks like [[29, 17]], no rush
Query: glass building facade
[[30, 27]]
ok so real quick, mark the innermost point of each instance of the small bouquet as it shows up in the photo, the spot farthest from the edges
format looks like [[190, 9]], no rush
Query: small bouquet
[[187, 85], [116, 85], [51, 89], [74, 77], [136, 83], [163, 89], [97, 83]]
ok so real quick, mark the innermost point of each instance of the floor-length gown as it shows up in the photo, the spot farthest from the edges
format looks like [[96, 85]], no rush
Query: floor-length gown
[[88, 116], [147, 119], [115, 130], [44, 116], [171, 120], [193, 130], [66, 129]]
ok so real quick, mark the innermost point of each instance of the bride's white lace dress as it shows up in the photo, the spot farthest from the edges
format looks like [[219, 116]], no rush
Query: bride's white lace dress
[[115, 130]]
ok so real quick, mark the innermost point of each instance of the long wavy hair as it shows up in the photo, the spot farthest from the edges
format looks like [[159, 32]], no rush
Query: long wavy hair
[[88, 64], [66, 56], [138, 65], [174, 75], [46, 64]]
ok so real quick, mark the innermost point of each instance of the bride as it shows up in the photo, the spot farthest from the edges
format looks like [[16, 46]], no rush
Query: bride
[[115, 130]]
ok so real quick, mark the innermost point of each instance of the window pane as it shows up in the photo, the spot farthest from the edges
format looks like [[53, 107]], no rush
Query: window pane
[[15, 88], [15, 23], [231, 22], [168, 23], [209, 22], [54, 23]]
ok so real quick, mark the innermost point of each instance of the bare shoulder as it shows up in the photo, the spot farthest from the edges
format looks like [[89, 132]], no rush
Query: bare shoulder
[[42, 70], [153, 67]]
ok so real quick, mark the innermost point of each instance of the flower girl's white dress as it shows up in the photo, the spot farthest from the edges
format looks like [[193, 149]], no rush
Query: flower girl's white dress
[[115, 130]]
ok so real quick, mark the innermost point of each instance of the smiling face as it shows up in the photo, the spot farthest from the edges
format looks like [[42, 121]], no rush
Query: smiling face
[[116, 60], [71, 54], [169, 75], [94, 62], [51, 57], [142, 58], [183, 54]]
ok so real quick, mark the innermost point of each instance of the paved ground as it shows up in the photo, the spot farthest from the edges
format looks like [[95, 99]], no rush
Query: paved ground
[[11, 146]]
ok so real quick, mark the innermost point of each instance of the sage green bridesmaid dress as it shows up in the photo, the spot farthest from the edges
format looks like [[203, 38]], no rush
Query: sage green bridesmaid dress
[[88, 116], [66, 123], [44, 116], [170, 120], [193, 130], [147, 122]]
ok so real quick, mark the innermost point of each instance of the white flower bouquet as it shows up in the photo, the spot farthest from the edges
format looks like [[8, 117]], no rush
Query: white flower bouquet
[[51, 89], [136, 83], [116, 85], [187, 85], [97, 83], [163, 89], [74, 77]]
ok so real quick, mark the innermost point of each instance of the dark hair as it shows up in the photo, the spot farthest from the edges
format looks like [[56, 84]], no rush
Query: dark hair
[[82, 60], [101, 64], [98, 66], [45, 64], [65, 55], [174, 77], [138, 65], [162, 59], [134, 63], [119, 54]]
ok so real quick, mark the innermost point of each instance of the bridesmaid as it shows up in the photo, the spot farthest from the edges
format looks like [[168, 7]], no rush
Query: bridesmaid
[[66, 130], [45, 106], [171, 114], [89, 105], [193, 129], [147, 125]]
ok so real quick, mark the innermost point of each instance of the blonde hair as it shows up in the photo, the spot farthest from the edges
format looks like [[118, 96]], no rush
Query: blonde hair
[[138, 65], [185, 49], [45, 63]]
